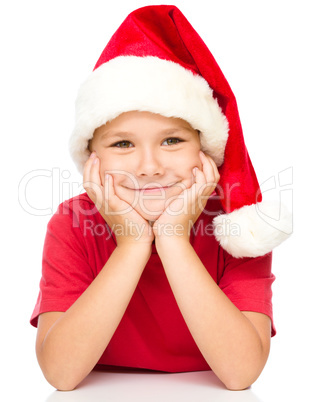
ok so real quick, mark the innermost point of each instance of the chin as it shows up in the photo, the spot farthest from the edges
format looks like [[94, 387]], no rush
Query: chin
[[149, 209], [150, 216]]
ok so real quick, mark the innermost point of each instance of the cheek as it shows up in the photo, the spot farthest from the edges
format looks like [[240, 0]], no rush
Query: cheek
[[195, 161], [187, 162], [114, 166]]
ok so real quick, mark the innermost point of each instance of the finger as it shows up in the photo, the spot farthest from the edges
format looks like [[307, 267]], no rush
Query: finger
[[87, 167], [95, 181], [199, 190], [109, 192], [200, 178], [215, 169], [94, 173], [87, 184], [207, 167], [211, 173]]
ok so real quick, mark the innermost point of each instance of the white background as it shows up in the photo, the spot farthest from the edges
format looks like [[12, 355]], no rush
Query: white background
[[47, 50]]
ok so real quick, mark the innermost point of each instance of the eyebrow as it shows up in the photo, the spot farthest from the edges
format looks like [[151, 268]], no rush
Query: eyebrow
[[112, 133]]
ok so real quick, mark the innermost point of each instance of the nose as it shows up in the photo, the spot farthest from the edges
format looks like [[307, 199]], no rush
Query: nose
[[149, 163]]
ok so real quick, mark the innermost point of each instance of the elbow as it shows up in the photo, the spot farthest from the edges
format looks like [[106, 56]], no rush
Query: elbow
[[239, 384], [58, 376], [60, 382], [242, 377], [65, 387]]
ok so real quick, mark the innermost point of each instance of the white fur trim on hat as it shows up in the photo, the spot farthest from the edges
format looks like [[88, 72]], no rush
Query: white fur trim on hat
[[129, 83], [253, 230]]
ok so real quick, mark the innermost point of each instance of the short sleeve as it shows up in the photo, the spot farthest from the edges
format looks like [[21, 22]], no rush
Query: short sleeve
[[66, 272], [247, 283]]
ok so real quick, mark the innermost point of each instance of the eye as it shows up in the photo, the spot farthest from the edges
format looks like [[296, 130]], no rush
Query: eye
[[122, 144], [172, 141]]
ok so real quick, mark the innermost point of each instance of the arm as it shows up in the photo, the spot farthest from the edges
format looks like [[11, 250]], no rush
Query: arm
[[70, 344], [68, 349], [235, 344]]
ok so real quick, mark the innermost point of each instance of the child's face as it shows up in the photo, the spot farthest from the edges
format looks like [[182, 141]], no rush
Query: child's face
[[146, 151]]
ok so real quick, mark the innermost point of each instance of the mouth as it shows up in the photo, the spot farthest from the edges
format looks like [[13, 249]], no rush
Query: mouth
[[152, 189]]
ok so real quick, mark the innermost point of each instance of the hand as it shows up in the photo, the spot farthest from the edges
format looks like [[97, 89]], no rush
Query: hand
[[178, 218], [129, 227]]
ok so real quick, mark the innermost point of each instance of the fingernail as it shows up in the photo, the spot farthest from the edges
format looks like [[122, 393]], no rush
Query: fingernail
[[195, 170], [93, 154]]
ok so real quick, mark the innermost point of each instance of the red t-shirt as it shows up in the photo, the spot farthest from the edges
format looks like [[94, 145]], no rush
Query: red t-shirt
[[152, 333]]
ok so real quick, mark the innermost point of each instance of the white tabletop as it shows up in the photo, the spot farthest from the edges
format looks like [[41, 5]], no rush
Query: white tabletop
[[196, 386], [274, 384]]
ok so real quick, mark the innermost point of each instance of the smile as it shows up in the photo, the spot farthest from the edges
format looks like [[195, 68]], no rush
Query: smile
[[151, 189]]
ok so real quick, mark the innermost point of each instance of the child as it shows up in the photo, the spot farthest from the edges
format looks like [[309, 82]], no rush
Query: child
[[150, 268]]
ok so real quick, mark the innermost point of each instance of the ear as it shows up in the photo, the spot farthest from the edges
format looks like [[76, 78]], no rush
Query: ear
[[89, 146]]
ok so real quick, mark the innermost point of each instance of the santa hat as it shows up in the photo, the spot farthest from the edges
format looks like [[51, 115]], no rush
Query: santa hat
[[157, 62]]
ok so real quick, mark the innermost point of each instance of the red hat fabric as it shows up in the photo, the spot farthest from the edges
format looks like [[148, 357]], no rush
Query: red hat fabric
[[157, 62]]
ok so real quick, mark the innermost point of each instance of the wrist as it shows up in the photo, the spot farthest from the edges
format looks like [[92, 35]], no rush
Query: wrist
[[140, 248], [171, 230], [171, 242]]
